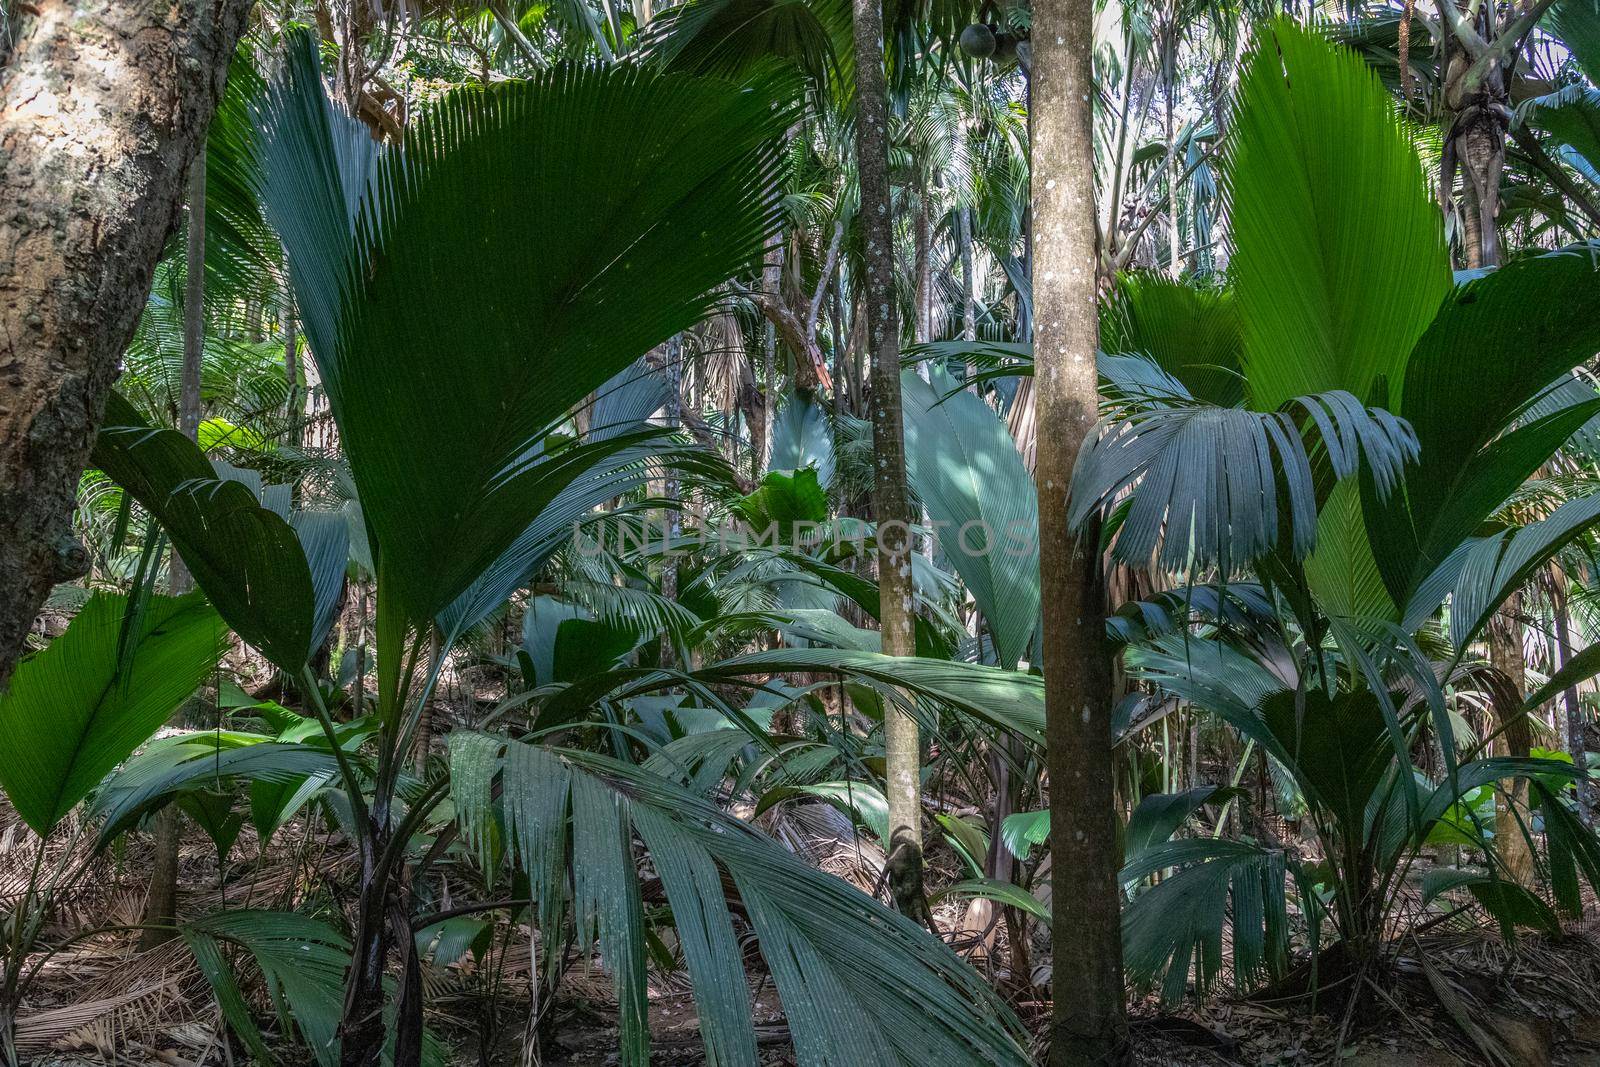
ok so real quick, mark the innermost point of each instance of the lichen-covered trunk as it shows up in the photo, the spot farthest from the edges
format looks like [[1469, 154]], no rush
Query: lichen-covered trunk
[[103, 106], [1088, 1023], [890, 506]]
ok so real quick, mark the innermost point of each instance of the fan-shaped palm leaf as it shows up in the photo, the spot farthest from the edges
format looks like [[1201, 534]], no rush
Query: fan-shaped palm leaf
[[445, 451], [857, 980], [1519, 329], [1339, 262], [802, 437]]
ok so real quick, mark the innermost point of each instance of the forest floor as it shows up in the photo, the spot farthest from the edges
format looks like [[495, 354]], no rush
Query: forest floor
[[1455, 995], [1535, 1005]]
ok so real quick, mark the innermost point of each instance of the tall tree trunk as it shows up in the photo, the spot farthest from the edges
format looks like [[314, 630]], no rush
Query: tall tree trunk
[[772, 288], [91, 179], [969, 303], [1512, 820], [1088, 1023], [922, 329], [1169, 75], [890, 508], [161, 905], [1576, 746]]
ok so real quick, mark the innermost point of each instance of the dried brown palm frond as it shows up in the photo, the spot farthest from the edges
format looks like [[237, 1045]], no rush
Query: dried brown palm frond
[[106, 1023], [823, 836], [42, 1030]]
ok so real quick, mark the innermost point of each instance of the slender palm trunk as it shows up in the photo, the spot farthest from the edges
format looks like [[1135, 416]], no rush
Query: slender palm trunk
[[1088, 1020], [771, 284], [1512, 819], [902, 747], [969, 303], [923, 330], [1576, 746], [1169, 73], [161, 905]]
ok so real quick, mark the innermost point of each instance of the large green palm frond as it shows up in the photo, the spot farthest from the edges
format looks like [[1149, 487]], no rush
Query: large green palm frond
[[965, 469], [302, 960], [1206, 481], [244, 261], [1339, 257], [531, 241], [1570, 115], [1179, 922], [81, 706], [1495, 347], [1577, 24], [613, 474], [1003, 698], [1192, 332], [274, 580], [802, 437], [729, 38], [183, 763], [859, 982]]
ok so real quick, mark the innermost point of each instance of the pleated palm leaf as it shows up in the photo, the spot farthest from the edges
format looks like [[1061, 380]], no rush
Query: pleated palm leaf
[[964, 466], [1336, 749], [82, 705], [273, 574], [1342, 297], [859, 983], [732, 37], [456, 320]]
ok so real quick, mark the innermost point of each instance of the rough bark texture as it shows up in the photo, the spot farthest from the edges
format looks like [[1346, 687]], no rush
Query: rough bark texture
[[103, 104], [1088, 1023], [890, 507], [922, 231], [1512, 819]]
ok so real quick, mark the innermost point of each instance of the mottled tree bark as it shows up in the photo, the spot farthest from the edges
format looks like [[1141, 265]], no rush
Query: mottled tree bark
[[103, 105], [1088, 1022], [772, 297], [890, 506]]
